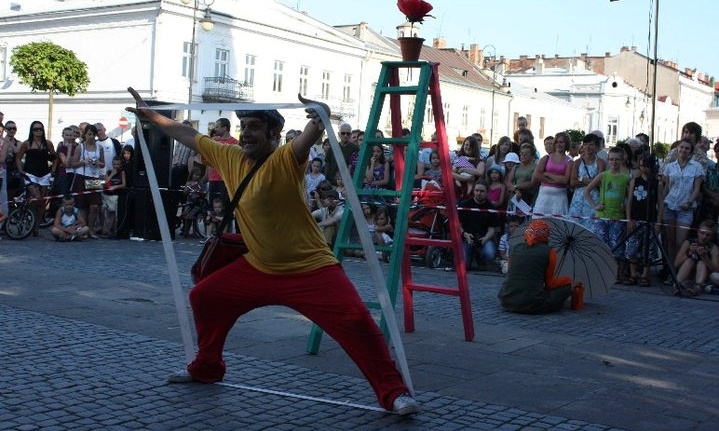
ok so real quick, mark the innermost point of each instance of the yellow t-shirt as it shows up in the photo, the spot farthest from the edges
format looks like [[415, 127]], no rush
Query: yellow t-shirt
[[279, 231]]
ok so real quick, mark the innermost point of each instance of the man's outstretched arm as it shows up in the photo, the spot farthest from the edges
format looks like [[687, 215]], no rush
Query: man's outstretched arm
[[175, 130]]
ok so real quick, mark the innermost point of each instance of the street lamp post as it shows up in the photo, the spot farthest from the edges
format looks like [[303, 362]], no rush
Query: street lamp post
[[207, 24], [494, 85], [655, 60]]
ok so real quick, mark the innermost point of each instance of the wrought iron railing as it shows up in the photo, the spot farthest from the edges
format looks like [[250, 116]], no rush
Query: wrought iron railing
[[225, 89]]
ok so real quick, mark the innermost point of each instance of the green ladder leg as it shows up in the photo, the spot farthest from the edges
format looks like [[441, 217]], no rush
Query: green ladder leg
[[388, 86]]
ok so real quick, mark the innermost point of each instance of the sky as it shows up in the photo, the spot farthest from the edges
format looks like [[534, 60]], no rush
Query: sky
[[534, 27]]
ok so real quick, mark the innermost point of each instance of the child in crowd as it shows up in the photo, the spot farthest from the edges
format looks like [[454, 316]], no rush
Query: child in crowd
[[612, 185], [697, 256], [340, 187], [115, 180], [313, 179], [497, 193], [641, 209], [196, 202], [503, 247], [383, 231], [369, 211], [215, 216], [69, 224], [434, 171]]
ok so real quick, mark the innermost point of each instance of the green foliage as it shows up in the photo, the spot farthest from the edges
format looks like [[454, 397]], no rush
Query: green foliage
[[576, 134], [46, 66], [661, 150]]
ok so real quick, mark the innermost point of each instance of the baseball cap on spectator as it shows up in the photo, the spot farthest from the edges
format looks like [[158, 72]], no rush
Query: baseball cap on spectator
[[331, 194], [511, 157]]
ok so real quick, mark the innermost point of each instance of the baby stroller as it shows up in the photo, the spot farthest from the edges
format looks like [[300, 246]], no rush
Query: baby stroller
[[428, 221]]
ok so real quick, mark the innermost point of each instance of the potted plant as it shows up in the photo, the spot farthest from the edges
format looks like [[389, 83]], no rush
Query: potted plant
[[414, 11]]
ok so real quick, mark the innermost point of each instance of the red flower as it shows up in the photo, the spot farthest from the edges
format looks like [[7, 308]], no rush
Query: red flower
[[415, 10]]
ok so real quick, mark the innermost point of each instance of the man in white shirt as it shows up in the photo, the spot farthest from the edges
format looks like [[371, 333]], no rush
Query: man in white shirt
[[328, 217], [110, 146]]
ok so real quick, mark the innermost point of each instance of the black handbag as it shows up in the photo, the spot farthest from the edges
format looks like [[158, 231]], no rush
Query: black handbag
[[224, 248]]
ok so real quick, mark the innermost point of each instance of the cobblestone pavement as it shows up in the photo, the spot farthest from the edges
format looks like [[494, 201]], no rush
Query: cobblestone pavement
[[89, 332]]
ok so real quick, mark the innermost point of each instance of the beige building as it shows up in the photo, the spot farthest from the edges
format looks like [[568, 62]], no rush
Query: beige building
[[689, 90]]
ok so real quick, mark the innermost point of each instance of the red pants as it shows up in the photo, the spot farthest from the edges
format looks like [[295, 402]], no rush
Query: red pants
[[325, 295]]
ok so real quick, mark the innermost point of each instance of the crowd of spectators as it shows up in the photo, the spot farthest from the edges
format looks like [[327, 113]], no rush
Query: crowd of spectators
[[611, 191]]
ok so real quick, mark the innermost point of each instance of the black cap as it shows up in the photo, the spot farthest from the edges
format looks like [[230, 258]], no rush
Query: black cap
[[331, 194]]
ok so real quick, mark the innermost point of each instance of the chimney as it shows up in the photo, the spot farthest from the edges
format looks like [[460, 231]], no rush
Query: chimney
[[439, 43], [361, 31], [539, 67], [475, 54], [634, 48], [688, 71], [503, 65], [607, 54], [624, 49]]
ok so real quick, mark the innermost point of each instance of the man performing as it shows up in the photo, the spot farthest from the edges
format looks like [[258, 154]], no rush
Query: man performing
[[288, 264]]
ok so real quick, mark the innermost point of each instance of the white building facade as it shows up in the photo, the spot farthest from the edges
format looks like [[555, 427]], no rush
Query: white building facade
[[269, 53]]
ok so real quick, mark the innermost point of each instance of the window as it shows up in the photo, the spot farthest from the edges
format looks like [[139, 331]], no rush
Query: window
[[187, 63], [612, 124], [277, 77], [326, 77], [428, 114], [347, 89], [541, 128], [222, 62], [445, 108], [249, 70], [304, 79], [465, 116], [482, 118], [3, 63]]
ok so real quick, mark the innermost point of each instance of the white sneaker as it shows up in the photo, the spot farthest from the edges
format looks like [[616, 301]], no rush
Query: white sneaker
[[405, 405], [180, 376]]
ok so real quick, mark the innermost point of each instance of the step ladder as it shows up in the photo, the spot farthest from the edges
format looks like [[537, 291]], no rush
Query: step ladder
[[403, 196]]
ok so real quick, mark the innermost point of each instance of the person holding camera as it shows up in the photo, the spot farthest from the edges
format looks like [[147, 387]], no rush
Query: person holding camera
[[92, 167], [479, 223]]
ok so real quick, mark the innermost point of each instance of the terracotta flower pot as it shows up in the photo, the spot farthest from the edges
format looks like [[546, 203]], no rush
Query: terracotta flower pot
[[410, 47]]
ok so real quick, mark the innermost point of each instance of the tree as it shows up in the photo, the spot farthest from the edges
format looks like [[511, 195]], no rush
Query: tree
[[575, 134], [46, 66]]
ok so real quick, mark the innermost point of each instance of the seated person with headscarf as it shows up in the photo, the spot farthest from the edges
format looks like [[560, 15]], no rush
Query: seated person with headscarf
[[533, 287]]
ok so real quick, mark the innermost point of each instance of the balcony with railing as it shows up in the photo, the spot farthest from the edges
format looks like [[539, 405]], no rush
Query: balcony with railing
[[225, 89], [341, 108]]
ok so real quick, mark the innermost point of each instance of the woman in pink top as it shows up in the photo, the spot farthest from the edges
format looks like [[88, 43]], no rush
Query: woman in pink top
[[553, 175]]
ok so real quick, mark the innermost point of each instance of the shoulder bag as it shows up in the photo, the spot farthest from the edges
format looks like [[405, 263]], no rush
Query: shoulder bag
[[223, 248]]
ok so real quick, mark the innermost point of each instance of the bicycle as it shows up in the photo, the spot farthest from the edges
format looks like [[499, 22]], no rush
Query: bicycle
[[191, 214], [20, 220]]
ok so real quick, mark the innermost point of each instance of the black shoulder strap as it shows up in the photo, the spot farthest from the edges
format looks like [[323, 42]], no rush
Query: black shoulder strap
[[118, 147], [238, 194]]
